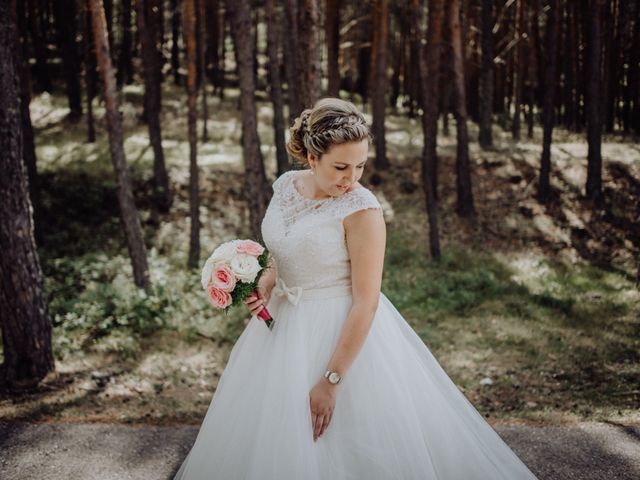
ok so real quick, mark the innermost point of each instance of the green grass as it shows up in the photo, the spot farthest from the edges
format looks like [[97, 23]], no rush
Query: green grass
[[571, 333]]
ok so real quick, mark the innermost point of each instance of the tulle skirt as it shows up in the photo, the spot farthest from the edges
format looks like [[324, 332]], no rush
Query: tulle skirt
[[397, 413]]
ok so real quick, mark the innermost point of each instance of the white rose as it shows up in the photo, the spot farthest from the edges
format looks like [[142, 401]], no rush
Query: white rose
[[207, 271], [245, 267], [224, 253]]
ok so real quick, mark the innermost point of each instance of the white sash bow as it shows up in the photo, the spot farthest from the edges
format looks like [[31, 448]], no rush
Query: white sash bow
[[293, 294]]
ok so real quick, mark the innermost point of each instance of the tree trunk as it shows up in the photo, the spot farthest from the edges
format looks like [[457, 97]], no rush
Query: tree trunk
[[148, 33], [568, 89], [633, 96], [594, 121], [24, 317], [363, 68], [429, 70], [551, 53], [65, 14], [332, 37], [486, 76], [575, 68], [445, 97], [256, 186], [213, 42], [108, 15], [380, 83], [609, 56], [129, 214], [125, 66], [310, 69], [28, 145], [202, 35], [90, 72], [411, 75], [175, 38], [518, 65], [465, 207], [273, 40], [38, 40], [225, 31], [398, 65], [189, 30], [292, 56]]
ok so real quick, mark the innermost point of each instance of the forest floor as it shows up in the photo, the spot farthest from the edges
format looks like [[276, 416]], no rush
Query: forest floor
[[532, 310]]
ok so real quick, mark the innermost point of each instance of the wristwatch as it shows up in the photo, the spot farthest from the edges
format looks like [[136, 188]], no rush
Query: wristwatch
[[333, 377]]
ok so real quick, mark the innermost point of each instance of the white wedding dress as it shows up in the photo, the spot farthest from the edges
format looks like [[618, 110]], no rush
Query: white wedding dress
[[397, 415]]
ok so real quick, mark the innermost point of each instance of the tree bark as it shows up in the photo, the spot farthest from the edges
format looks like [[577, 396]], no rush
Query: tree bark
[[273, 40], [606, 104], [128, 211], [293, 63], [332, 38], [310, 69], [531, 84], [175, 38], [90, 72], [256, 186], [551, 53], [125, 65], [518, 65], [189, 30], [37, 38], [398, 35], [594, 120], [24, 317], [486, 76], [429, 70], [202, 36], [65, 14], [148, 33], [380, 83], [465, 207], [108, 16], [213, 42], [28, 144], [411, 80]]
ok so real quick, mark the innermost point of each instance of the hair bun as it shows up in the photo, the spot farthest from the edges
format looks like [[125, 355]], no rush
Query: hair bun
[[331, 121]]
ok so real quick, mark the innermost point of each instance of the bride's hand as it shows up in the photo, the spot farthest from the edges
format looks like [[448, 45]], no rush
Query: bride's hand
[[322, 399], [255, 304]]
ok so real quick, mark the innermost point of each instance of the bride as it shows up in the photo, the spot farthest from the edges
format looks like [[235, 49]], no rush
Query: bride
[[341, 387]]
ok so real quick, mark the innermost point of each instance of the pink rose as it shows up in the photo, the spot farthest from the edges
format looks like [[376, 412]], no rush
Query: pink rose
[[218, 298], [249, 247], [223, 278]]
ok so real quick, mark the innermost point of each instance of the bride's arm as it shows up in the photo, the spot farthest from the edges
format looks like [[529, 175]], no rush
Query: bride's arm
[[366, 239], [268, 278]]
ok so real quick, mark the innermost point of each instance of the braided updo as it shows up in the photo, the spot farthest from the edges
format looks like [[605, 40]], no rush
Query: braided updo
[[331, 121]]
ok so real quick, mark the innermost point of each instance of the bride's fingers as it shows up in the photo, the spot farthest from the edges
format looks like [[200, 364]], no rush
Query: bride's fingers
[[325, 424], [318, 426]]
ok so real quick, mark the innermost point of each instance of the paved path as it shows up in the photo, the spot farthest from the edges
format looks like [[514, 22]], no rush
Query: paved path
[[585, 451]]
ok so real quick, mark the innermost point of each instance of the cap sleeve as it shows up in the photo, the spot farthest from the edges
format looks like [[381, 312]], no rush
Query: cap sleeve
[[361, 199], [279, 182]]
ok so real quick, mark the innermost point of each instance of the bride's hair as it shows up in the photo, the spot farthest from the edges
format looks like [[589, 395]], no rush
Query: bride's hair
[[331, 121]]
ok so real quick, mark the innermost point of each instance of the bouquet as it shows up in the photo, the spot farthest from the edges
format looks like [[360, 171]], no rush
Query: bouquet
[[232, 272]]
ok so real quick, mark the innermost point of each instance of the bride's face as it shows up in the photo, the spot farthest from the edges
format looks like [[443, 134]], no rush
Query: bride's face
[[340, 167]]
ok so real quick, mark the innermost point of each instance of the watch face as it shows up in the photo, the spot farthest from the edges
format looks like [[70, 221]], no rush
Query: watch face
[[334, 377]]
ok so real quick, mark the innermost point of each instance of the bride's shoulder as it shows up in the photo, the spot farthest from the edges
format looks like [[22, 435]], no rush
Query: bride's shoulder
[[282, 179], [360, 198]]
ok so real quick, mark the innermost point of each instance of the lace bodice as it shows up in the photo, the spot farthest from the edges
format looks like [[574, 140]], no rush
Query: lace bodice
[[307, 238]]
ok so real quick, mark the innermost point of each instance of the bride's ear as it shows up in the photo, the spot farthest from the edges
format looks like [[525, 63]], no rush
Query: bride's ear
[[310, 157]]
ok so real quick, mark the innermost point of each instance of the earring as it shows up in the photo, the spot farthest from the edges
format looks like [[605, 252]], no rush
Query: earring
[[313, 171]]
